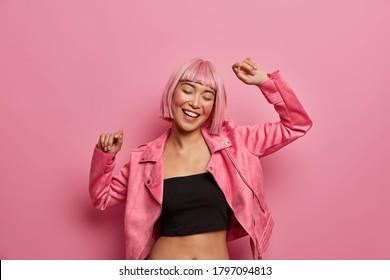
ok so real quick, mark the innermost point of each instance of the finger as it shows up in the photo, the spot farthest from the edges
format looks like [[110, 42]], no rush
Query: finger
[[119, 134], [106, 139], [101, 141], [110, 141], [252, 63], [119, 139], [236, 67], [247, 68]]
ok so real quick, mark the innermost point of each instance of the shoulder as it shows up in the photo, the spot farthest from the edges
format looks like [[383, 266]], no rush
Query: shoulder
[[154, 146], [228, 126], [140, 148]]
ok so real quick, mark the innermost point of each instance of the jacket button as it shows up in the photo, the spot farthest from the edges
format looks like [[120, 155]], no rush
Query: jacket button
[[227, 143], [148, 182], [211, 168]]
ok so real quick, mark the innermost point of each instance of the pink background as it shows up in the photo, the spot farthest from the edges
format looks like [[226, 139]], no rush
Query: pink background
[[70, 70]]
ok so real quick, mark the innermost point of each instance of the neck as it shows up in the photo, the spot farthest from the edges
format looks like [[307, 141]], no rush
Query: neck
[[184, 140]]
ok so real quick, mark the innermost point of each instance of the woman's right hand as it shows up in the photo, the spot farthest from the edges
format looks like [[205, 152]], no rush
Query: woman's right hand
[[110, 142]]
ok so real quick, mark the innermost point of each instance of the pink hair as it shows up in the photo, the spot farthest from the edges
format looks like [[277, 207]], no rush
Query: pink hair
[[203, 72]]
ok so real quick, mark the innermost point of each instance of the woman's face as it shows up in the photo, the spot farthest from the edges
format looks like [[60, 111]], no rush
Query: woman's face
[[192, 104]]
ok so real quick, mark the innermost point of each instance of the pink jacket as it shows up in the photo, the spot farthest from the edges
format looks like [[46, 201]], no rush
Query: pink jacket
[[234, 164]]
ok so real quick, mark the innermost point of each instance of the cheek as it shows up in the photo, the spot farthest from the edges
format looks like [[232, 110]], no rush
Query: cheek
[[178, 99]]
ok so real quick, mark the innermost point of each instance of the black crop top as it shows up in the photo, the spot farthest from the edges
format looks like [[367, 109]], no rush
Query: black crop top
[[193, 204]]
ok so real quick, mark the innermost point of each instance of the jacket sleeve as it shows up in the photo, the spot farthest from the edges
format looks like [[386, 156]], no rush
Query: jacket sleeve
[[266, 138], [104, 189]]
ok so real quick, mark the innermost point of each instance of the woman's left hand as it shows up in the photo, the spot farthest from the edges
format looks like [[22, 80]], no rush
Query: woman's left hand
[[248, 72]]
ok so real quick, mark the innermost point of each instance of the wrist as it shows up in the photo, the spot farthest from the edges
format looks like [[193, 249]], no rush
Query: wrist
[[263, 79]]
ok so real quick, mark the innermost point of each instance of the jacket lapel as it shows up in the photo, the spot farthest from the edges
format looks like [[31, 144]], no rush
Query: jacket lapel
[[154, 168], [215, 142]]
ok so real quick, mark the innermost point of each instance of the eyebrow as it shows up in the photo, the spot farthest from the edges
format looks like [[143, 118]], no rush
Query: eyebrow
[[193, 86]]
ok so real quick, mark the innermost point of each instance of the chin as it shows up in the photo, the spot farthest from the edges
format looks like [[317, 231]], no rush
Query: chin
[[187, 128]]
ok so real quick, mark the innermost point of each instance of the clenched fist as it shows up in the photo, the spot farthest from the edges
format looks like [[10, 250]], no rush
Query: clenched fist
[[110, 142], [248, 72]]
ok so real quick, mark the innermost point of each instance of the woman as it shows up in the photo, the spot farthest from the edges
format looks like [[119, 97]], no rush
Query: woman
[[200, 183]]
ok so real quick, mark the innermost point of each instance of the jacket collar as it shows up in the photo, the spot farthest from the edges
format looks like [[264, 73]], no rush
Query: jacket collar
[[215, 142], [155, 148]]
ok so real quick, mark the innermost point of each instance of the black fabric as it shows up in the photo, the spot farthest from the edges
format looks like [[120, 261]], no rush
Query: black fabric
[[193, 204]]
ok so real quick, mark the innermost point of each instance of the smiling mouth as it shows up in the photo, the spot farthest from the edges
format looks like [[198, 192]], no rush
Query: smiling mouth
[[190, 114]]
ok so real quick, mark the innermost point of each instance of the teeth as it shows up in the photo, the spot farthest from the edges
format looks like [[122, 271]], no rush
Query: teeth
[[191, 114]]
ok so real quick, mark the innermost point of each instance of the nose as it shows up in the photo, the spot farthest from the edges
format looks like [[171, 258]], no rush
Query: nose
[[195, 102]]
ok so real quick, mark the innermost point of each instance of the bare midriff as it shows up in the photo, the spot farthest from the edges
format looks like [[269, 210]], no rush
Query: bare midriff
[[201, 246]]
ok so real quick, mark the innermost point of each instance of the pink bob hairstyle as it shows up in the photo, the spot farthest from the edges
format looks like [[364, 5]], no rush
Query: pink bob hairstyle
[[202, 72]]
